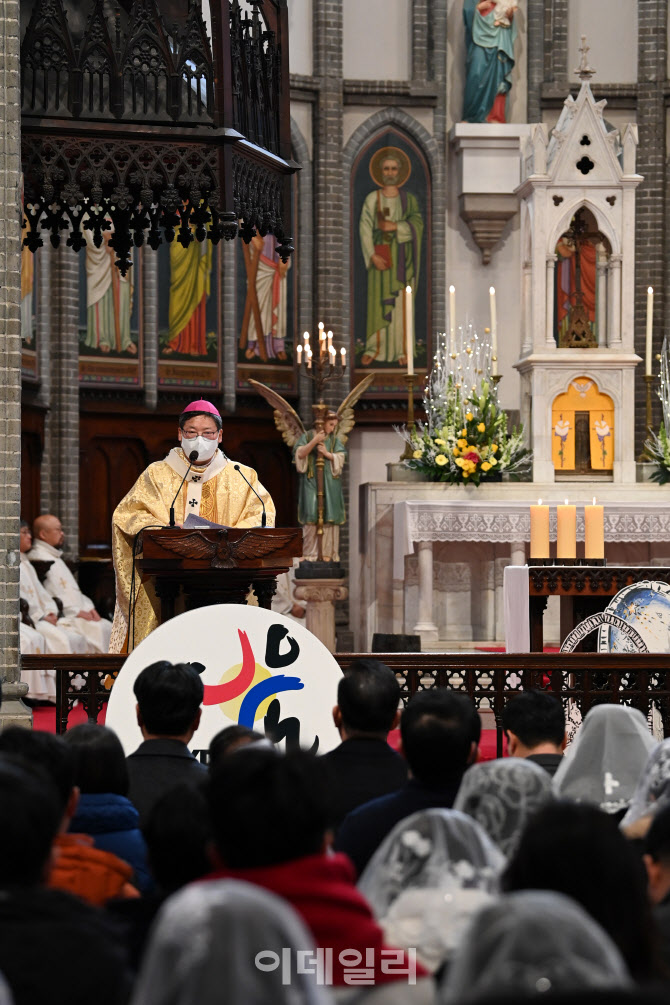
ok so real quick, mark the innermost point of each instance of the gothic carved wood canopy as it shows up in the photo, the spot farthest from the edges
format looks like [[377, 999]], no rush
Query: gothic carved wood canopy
[[155, 119]]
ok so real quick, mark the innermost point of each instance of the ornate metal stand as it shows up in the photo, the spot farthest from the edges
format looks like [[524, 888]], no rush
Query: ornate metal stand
[[410, 380]]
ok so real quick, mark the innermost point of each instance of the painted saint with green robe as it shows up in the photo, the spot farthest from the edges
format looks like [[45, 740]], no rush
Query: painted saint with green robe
[[390, 230], [305, 452]]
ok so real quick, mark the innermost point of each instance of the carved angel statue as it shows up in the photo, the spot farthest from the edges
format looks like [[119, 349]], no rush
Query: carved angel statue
[[319, 455]]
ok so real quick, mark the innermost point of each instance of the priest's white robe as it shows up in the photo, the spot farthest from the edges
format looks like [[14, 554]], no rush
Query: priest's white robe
[[59, 638]]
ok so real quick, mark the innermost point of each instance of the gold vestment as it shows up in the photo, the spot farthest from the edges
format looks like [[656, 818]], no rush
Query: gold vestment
[[226, 499]]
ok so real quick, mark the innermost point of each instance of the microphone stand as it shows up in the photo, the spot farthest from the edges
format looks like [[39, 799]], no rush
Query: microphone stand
[[239, 470]]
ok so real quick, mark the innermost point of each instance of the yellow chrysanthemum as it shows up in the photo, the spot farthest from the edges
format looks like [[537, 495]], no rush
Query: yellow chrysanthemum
[[466, 474], [456, 451], [481, 428], [493, 461], [469, 416], [417, 455], [486, 466], [460, 462], [463, 432], [494, 448], [461, 444], [440, 442], [441, 460]]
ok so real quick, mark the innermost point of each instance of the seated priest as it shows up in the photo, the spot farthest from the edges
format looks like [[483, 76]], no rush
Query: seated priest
[[56, 633], [79, 611], [213, 489]]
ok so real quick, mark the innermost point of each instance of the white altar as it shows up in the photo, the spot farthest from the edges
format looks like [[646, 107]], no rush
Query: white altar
[[433, 555]]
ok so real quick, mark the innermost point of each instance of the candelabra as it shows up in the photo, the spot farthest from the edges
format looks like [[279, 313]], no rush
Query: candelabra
[[320, 366]]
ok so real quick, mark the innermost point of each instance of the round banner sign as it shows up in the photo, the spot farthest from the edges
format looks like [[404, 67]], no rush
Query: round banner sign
[[258, 668]]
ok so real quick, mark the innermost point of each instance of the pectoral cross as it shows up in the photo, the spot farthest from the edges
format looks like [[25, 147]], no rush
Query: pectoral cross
[[196, 478], [193, 502]]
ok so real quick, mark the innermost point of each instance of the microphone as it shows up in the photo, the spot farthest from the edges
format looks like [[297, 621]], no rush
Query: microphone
[[264, 518], [192, 457]]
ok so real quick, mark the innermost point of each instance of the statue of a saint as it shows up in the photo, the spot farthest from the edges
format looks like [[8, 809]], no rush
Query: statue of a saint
[[490, 33], [319, 456]]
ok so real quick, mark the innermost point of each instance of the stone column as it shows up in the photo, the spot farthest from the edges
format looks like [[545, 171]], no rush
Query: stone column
[[425, 626], [614, 306], [517, 552], [150, 326], [13, 711], [61, 446], [321, 595], [601, 285], [549, 301], [228, 324]]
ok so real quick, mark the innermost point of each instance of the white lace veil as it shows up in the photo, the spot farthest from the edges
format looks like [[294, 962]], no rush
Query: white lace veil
[[501, 795], [533, 941], [204, 944], [652, 792], [427, 878], [605, 760]]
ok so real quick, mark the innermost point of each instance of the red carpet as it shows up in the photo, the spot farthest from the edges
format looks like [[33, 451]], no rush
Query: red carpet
[[44, 719], [487, 744]]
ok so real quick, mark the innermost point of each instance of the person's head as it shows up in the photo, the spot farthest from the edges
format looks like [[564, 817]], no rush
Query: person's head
[[52, 756], [31, 817], [169, 696], [99, 759], [200, 429], [390, 169], [657, 856], [368, 696], [47, 528], [25, 537], [534, 721], [230, 739], [268, 808], [178, 834], [440, 731], [578, 850], [330, 423]]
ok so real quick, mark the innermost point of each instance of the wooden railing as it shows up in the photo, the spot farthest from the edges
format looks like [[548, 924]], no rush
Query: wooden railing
[[490, 679]]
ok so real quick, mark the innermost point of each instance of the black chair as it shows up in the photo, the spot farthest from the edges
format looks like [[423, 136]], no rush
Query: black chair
[[383, 643]]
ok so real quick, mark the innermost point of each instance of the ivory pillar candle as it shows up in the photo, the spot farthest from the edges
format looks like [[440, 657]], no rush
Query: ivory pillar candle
[[409, 330], [494, 332], [452, 319], [566, 531], [650, 317], [539, 531], [594, 531]]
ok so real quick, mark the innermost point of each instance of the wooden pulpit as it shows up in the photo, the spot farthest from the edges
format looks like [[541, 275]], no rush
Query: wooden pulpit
[[217, 566]]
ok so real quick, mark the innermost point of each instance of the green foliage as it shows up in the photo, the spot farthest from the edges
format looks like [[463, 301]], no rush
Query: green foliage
[[657, 449]]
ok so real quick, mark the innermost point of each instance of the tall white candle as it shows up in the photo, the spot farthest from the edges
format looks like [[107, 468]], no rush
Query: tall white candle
[[650, 320], [409, 330], [494, 332], [452, 319]]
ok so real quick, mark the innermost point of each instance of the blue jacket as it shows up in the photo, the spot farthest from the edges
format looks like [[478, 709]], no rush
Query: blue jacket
[[113, 823]]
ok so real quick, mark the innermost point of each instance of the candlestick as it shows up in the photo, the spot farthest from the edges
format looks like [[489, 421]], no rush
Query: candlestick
[[494, 330], [539, 531], [650, 321], [594, 531], [409, 379], [452, 319], [409, 330], [566, 531]]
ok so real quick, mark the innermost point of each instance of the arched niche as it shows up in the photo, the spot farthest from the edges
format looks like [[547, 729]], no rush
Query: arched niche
[[583, 254], [582, 432]]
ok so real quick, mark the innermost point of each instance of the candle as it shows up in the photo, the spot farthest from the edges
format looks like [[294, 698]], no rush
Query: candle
[[309, 360], [650, 318], [594, 531], [409, 330], [330, 340], [566, 531], [306, 338], [494, 331], [333, 353], [343, 357], [452, 319], [299, 354], [539, 531]]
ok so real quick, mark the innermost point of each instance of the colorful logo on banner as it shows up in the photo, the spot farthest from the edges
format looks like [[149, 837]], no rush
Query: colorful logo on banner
[[275, 677]]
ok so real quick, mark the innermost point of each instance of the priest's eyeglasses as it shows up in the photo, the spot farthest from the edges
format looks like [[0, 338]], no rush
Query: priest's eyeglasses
[[210, 434]]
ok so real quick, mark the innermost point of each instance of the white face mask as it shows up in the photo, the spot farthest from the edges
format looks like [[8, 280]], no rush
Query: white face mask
[[206, 448]]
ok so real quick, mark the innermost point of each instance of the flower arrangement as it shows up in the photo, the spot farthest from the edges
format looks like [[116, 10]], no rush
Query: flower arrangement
[[464, 439], [657, 446]]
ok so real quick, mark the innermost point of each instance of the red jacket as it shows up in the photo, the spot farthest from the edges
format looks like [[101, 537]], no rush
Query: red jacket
[[322, 889]]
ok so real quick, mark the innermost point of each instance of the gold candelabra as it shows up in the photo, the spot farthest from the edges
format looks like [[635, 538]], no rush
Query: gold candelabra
[[320, 366]]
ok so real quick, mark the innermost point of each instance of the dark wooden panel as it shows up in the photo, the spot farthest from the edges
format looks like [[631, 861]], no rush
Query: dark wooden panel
[[32, 446]]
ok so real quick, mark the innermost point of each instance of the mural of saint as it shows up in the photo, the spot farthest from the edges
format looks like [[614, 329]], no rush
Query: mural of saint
[[190, 287], [109, 297], [264, 324], [490, 33], [391, 230]]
